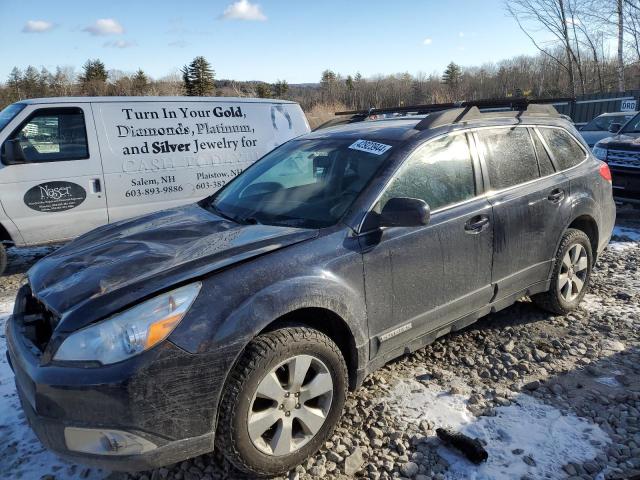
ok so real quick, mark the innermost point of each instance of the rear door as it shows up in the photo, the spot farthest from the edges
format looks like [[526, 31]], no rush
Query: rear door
[[420, 278], [530, 206], [51, 183]]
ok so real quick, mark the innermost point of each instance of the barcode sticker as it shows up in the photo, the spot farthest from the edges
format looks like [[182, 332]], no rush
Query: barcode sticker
[[370, 147]]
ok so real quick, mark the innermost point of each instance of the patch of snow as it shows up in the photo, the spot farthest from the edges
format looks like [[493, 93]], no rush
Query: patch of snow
[[21, 453], [591, 302], [543, 432]]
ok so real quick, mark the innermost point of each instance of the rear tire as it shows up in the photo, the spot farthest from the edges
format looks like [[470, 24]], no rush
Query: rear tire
[[281, 400], [571, 274], [3, 258]]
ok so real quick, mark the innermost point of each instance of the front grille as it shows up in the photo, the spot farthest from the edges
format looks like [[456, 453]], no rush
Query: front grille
[[624, 158], [35, 320]]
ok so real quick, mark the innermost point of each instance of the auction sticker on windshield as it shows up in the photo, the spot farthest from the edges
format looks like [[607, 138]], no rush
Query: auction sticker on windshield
[[370, 147]]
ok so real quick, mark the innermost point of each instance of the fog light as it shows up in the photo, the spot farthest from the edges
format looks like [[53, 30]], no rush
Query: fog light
[[106, 442]]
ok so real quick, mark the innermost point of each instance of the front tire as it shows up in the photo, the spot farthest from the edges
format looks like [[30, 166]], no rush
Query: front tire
[[281, 400], [571, 274]]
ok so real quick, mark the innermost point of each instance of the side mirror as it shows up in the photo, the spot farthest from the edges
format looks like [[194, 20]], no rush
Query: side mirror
[[405, 212], [615, 127], [12, 152]]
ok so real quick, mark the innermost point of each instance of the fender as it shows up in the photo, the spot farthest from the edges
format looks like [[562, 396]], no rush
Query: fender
[[581, 205], [235, 330]]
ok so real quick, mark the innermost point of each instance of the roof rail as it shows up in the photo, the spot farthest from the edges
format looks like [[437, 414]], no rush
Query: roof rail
[[468, 113], [508, 103]]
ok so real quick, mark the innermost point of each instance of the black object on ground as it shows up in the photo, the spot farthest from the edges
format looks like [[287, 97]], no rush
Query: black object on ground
[[469, 447]]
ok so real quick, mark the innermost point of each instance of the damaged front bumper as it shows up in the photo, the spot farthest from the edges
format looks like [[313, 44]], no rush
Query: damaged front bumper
[[154, 409]]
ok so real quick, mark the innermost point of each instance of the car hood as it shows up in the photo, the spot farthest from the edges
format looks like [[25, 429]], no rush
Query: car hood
[[116, 265], [624, 141]]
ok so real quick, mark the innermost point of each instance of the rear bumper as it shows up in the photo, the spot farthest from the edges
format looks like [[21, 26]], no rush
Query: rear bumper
[[165, 396]]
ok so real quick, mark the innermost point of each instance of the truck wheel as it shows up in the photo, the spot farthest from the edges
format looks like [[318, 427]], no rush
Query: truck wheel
[[281, 400], [3, 258], [571, 274]]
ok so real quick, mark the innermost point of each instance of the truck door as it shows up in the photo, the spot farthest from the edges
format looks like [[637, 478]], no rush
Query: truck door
[[51, 183]]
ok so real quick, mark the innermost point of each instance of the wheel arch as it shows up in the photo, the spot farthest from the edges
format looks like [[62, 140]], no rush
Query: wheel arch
[[5, 236], [332, 325], [587, 224]]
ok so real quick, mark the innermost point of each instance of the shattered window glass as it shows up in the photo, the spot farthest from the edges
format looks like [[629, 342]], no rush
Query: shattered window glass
[[509, 155], [565, 149], [440, 173]]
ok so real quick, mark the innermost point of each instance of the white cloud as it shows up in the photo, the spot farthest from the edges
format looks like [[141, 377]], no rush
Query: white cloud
[[119, 44], [37, 26], [427, 41], [104, 26], [243, 10], [461, 34]]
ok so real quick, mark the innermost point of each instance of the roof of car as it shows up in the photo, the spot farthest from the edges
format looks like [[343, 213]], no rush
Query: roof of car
[[609, 114], [150, 99], [397, 129]]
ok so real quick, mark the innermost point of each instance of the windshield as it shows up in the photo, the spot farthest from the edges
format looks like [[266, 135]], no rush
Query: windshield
[[303, 183], [7, 114], [603, 123], [633, 126]]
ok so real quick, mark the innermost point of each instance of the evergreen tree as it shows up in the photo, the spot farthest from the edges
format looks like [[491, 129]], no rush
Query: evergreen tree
[[451, 78], [263, 90], [280, 89], [452, 75], [140, 83], [30, 82], [93, 80], [198, 78]]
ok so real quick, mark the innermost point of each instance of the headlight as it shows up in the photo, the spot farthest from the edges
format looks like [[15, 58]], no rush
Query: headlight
[[600, 153], [130, 332]]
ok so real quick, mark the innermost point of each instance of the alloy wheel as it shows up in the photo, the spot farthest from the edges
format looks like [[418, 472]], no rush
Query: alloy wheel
[[290, 405], [573, 272]]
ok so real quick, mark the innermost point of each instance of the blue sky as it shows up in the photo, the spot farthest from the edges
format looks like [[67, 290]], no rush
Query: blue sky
[[258, 39]]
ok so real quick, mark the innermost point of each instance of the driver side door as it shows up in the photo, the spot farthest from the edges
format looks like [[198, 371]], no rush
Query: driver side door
[[51, 179], [420, 279]]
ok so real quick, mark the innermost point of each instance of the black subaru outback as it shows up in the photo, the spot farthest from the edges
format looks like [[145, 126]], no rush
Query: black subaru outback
[[242, 321]]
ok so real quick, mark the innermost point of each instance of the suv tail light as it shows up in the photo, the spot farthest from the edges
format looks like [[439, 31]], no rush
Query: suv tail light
[[605, 172]]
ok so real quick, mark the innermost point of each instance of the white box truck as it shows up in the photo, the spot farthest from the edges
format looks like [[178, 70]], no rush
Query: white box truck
[[68, 165]]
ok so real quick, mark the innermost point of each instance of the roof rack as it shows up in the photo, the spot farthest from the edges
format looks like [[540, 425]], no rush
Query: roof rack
[[507, 103]]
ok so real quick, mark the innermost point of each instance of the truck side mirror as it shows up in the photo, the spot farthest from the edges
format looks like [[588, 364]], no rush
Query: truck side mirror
[[12, 153], [405, 212], [615, 127]]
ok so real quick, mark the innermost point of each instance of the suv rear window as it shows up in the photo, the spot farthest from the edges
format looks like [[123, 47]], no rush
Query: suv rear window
[[509, 156], [563, 147]]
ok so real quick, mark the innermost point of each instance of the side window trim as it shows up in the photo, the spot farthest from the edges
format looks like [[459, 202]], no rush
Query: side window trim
[[551, 153], [54, 111], [475, 159], [540, 137]]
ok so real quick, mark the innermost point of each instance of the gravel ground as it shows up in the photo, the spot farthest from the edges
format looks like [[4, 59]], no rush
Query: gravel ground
[[549, 397]]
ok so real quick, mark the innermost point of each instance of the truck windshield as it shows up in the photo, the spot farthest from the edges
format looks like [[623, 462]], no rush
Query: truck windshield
[[7, 114], [603, 123], [632, 126], [303, 183]]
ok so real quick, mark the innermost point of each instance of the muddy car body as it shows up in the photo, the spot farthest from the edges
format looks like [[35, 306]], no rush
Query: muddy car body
[[278, 311]]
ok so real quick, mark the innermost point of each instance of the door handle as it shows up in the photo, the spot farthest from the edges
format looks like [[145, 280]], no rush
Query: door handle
[[476, 224], [556, 196], [96, 185]]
